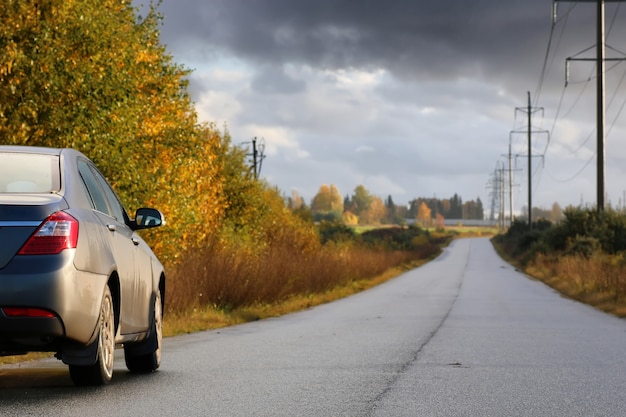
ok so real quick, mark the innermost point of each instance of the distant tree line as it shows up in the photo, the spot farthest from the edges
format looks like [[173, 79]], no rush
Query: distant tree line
[[361, 207], [450, 208]]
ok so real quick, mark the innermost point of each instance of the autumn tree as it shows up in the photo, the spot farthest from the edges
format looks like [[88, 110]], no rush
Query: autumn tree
[[93, 76], [375, 213], [327, 203], [361, 200], [321, 200], [296, 201], [336, 202], [350, 218], [440, 221], [424, 214]]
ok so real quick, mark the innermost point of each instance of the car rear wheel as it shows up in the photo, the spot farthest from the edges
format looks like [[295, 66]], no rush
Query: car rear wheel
[[101, 372], [145, 357]]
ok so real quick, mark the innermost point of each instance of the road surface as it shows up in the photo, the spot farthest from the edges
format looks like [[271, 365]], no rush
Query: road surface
[[464, 335]]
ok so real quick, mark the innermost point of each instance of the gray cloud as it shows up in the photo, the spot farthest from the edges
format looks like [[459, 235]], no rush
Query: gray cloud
[[425, 90], [274, 80]]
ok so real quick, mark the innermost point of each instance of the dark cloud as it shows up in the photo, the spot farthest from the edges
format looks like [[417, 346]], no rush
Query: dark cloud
[[410, 38]]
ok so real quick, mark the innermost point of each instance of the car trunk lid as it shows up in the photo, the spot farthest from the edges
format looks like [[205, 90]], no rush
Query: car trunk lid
[[20, 216]]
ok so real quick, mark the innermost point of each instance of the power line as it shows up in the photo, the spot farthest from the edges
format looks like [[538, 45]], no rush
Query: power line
[[576, 174], [545, 67]]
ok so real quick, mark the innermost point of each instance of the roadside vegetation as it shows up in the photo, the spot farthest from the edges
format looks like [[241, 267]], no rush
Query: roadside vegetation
[[583, 256], [221, 284]]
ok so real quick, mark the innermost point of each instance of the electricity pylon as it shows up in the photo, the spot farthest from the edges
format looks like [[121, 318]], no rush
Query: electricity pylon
[[601, 101]]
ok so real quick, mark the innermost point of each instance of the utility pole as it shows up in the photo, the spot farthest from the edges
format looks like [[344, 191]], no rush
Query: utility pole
[[510, 158], [601, 109], [502, 199], [498, 200], [493, 194], [510, 185], [254, 159], [530, 174], [601, 100], [529, 110], [258, 155]]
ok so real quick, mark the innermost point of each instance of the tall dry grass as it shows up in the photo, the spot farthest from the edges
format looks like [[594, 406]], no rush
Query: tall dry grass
[[230, 277], [599, 280]]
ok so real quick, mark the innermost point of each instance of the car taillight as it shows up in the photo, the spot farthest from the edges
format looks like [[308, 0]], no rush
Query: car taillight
[[57, 232]]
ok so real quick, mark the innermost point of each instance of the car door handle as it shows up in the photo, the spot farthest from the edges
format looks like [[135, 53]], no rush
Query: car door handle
[[135, 241], [111, 227]]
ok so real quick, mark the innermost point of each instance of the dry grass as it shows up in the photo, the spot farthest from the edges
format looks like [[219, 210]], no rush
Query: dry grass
[[221, 286], [473, 231], [230, 278], [210, 317], [599, 280]]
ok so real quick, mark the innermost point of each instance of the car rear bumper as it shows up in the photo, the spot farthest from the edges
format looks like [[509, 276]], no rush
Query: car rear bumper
[[52, 283], [25, 334]]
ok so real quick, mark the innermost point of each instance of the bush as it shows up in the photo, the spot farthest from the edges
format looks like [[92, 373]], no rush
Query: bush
[[582, 232], [327, 216], [396, 238], [336, 232], [584, 246]]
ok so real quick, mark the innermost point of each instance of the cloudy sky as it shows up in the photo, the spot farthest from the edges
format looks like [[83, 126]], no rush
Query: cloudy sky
[[410, 98]]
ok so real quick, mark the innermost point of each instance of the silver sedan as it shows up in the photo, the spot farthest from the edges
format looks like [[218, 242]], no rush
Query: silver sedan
[[75, 277]]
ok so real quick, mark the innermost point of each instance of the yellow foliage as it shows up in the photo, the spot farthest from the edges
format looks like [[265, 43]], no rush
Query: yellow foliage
[[350, 218], [424, 215]]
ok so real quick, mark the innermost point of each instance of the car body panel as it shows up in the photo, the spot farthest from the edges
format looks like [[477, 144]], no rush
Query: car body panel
[[51, 282]]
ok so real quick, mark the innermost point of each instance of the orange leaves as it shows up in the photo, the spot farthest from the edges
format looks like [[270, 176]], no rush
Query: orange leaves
[[147, 57], [424, 214]]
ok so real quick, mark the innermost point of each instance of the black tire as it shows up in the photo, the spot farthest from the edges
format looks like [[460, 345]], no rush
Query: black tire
[[101, 372], [145, 357]]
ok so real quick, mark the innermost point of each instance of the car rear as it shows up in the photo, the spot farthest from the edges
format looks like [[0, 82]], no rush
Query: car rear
[[42, 294]]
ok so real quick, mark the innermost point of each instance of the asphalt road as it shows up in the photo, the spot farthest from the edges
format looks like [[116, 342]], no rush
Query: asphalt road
[[465, 335]]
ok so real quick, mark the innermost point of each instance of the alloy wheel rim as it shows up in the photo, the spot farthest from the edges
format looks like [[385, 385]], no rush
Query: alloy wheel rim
[[158, 324], [107, 338]]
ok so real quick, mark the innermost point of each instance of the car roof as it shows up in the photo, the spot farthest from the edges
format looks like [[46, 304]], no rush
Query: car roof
[[31, 149]]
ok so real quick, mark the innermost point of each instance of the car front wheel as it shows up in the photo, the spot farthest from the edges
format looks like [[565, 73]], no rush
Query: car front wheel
[[101, 372]]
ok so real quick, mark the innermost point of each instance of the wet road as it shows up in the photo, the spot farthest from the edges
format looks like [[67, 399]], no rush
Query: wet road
[[465, 335]]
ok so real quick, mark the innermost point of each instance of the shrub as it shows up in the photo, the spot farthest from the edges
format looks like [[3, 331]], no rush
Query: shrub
[[582, 232], [396, 238], [336, 232], [585, 246]]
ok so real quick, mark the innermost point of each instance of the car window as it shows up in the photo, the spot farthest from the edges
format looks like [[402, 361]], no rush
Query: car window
[[116, 207], [29, 173], [95, 193]]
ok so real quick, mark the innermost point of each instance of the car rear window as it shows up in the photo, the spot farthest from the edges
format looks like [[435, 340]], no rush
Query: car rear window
[[28, 173]]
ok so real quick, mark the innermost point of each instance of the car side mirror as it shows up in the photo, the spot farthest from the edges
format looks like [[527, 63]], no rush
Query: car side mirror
[[146, 218]]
